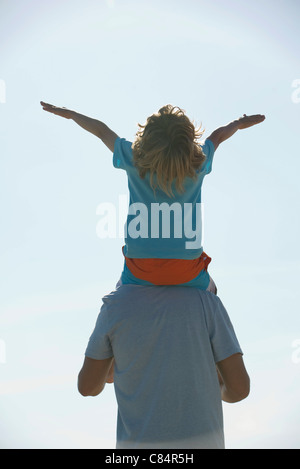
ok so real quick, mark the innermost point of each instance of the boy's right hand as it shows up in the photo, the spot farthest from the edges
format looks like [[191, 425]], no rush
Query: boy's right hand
[[248, 121], [59, 111]]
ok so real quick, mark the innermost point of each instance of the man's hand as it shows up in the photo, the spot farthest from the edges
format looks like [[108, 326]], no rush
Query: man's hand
[[248, 121], [59, 111], [93, 376]]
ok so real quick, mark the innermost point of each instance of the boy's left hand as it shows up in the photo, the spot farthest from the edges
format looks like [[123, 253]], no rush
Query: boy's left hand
[[248, 121]]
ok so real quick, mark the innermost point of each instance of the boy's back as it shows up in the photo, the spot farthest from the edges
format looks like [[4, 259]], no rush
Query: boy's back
[[159, 226]]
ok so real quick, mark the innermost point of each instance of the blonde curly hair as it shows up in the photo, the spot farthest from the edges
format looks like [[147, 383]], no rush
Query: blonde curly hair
[[166, 147]]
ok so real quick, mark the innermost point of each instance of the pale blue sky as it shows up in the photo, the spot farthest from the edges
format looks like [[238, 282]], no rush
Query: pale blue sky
[[119, 61]]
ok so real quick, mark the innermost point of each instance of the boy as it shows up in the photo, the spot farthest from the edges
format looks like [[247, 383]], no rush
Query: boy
[[165, 166]]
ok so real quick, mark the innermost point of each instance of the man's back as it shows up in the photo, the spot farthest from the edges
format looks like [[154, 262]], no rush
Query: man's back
[[165, 342]]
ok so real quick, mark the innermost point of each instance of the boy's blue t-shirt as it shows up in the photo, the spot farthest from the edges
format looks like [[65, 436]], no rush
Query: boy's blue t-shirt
[[159, 226]]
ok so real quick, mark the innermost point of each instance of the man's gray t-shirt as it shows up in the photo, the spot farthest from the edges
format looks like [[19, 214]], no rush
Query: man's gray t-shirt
[[166, 342]]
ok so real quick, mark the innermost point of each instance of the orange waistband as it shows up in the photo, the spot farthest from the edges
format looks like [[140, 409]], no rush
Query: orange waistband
[[167, 271]]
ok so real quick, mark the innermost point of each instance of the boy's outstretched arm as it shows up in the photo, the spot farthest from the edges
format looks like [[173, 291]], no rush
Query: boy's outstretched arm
[[225, 132], [94, 126]]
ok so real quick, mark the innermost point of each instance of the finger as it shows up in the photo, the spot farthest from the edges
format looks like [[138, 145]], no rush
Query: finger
[[49, 109], [47, 106], [254, 119], [258, 116], [52, 110], [253, 116]]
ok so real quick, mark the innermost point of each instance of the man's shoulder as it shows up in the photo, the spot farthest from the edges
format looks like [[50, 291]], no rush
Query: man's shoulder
[[162, 294]]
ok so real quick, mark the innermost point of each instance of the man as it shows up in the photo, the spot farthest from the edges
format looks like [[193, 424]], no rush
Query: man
[[175, 356]]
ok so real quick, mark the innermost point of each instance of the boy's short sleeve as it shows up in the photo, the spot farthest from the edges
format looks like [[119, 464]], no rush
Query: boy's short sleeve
[[99, 345], [122, 157], [208, 150]]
